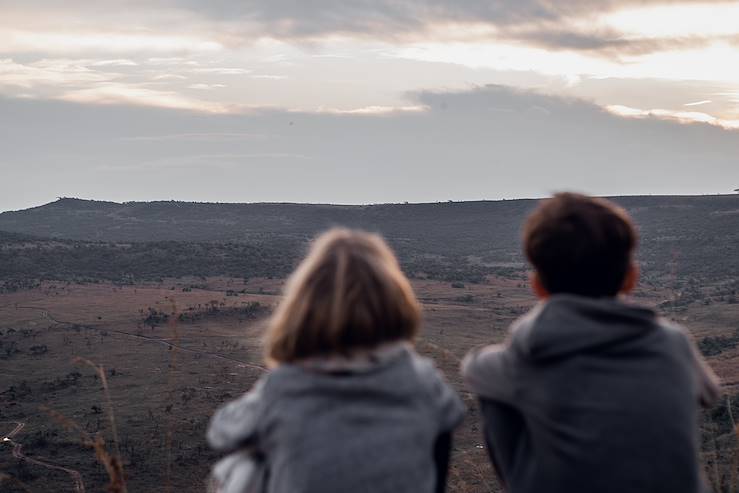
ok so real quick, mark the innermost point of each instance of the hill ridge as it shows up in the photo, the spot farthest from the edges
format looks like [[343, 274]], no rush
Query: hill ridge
[[697, 234]]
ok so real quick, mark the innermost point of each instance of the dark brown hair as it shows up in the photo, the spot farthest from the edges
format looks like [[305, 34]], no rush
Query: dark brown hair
[[580, 245], [348, 294]]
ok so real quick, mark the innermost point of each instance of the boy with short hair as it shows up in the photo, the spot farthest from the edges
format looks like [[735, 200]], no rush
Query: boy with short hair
[[590, 393]]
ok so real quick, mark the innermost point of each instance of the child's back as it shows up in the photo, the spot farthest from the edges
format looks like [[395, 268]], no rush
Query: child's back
[[598, 396], [346, 427]]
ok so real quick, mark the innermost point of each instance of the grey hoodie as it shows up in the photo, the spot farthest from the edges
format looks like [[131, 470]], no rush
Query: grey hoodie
[[360, 425], [593, 395]]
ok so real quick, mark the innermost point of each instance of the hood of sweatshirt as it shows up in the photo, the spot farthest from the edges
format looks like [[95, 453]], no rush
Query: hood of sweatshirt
[[567, 324]]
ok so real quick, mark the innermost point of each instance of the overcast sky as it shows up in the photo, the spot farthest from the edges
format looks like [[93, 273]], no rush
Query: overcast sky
[[355, 101]]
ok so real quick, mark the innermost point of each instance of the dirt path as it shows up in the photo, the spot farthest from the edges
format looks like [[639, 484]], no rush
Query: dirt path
[[79, 485]]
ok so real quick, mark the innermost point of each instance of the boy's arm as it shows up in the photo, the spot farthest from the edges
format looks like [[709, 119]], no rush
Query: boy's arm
[[503, 428], [489, 372], [234, 425]]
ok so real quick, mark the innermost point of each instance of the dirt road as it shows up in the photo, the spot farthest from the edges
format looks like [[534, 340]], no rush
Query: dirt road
[[79, 485]]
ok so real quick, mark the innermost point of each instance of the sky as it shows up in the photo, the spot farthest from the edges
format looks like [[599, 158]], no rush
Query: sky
[[357, 101]]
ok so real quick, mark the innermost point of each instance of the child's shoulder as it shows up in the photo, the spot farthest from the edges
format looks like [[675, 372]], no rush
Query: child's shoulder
[[236, 421], [421, 365], [671, 328], [678, 335], [424, 368], [449, 406]]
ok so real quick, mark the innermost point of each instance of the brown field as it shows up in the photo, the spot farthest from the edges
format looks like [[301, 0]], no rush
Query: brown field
[[165, 379]]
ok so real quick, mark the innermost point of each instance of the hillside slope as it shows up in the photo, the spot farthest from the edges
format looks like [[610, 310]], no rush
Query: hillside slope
[[695, 235]]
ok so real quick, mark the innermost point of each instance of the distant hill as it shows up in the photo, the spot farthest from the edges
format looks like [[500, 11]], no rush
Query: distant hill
[[693, 235], [190, 221]]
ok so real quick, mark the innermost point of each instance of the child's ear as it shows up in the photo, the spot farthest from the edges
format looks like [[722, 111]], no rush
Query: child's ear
[[631, 279], [538, 287]]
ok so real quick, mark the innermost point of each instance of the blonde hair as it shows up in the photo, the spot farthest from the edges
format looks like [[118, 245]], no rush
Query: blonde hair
[[348, 294]]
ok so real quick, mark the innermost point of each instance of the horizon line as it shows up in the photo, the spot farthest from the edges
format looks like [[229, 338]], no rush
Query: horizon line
[[347, 204]]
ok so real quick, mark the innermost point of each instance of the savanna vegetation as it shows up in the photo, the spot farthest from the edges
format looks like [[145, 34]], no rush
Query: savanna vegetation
[[123, 326]]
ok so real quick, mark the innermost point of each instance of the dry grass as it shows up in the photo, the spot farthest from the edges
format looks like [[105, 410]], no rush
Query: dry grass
[[721, 461], [172, 325], [111, 460]]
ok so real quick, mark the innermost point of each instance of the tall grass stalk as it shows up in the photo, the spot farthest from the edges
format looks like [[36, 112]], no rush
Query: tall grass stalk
[[172, 325], [111, 461]]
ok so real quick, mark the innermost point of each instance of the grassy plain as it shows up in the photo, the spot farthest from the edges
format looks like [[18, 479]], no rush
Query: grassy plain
[[166, 377]]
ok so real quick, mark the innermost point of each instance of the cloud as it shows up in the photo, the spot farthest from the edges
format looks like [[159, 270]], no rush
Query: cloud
[[222, 70], [707, 63], [48, 72], [618, 26], [269, 77], [53, 41], [205, 87], [118, 93], [487, 142], [172, 60], [679, 116], [559, 25], [374, 110], [604, 42], [345, 49], [87, 81], [341, 16], [169, 77], [120, 62]]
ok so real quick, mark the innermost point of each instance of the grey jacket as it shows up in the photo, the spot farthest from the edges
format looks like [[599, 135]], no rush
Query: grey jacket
[[593, 395], [337, 427]]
